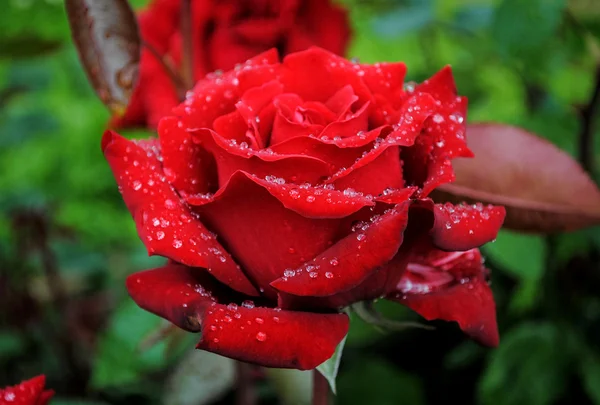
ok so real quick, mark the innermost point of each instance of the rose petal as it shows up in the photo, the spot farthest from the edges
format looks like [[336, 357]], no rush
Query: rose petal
[[341, 102], [187, 166], [250, 106], [179, 293], [383, 173], [217, 94], [404, 132], [235, 328], [164, 223], [29, 392], [427, 163], [452, 287], [350, 260], [316, 74], [231, 157], [272, 337], [262, 234], [463, 227]]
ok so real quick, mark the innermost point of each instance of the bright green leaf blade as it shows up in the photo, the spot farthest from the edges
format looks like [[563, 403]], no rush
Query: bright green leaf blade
[[521, 256], [329, 368]]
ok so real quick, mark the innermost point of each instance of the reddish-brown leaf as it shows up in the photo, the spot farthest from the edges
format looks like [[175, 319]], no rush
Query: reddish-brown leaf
[[108, 42], [543, 189]]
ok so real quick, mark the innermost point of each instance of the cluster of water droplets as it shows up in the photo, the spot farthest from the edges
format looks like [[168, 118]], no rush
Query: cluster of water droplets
[[234, 315], [471, 215]]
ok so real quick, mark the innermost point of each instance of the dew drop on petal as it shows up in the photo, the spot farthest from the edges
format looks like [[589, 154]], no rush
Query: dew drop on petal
[[261, 336]]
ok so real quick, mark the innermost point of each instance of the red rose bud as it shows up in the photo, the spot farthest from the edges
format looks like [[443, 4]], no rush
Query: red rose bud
[[224, 33], [285, 191], [30, 392]]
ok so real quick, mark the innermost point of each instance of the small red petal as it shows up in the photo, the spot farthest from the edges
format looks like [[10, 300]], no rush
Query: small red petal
[[463, 227]]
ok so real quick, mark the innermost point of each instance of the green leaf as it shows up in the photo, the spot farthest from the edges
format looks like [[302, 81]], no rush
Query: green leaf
[[590, 375], [118, 361], [520, 255], [11, 344], [375, 381], [329, 368], [532, 360], [521, 27], [405, 19]]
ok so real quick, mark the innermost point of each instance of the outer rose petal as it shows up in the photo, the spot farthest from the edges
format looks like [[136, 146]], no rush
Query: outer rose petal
[[29, 392], [427, 163], [463, 227], [164, 223], [187, 166], [352, 259], [191, 299], [452, 288], [265, 236]]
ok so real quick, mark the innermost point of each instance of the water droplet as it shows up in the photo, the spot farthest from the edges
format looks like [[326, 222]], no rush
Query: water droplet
[[160, 235], [137, 185], [292, 250], [261, 336], [313, 274], [248, 304], [289, 273], [232, 307], [275, 319], [361, 236], [334, 262], [329, 274], [259, 321], [170, 204], [177, 243], [310, 198]]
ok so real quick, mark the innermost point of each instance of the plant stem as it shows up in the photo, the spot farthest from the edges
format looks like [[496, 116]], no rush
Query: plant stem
[[168, 67], [187, 57], [245, 393], [586, 134], [320, 389]]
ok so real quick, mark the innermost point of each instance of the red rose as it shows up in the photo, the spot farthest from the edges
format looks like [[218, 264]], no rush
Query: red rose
[[30, 392], [283, 192], [225, 32]]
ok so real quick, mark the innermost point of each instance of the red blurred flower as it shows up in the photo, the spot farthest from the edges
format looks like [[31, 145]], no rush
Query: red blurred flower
[[30, 392], [224, 33], [283, 192]]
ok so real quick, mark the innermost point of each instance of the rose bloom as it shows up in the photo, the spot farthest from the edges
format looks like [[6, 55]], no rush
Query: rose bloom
[[283, 192], [224, 33], [30, 392]]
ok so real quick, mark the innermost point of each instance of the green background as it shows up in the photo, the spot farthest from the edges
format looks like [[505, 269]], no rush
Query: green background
[[524, 62]]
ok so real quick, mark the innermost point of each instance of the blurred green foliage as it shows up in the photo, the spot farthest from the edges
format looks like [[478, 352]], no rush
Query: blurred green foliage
[[524, 62]]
